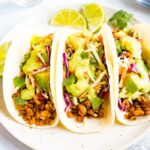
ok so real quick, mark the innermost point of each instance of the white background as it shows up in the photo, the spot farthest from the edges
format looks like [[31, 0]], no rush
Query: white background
[[11, 15]]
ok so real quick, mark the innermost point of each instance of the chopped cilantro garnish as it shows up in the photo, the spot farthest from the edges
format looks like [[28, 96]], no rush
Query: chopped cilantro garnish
[[84, 55], [20, 101], [120, 19], [71, 79]]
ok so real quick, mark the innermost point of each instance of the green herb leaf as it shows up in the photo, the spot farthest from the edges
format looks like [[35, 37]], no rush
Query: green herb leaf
[[120, 19], [71, 79], [19, 82], [26, 57], [20, 101], [84, 55]]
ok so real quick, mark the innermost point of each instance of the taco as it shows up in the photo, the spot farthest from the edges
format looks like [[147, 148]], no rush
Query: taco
[[28, 78], [132, 72], [84, 82]]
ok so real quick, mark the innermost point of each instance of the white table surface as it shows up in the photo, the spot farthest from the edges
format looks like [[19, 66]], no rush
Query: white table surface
[[11, 15]]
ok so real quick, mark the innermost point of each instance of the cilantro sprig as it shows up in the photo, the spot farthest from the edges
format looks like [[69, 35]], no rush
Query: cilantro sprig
[[70, 80], [120, 19]]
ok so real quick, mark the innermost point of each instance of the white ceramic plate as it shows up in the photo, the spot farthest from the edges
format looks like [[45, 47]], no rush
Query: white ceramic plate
[[117, 137]]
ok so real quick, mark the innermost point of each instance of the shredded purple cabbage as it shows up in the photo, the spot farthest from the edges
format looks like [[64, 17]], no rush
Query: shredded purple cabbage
[[49, 55], [48, 62], [68, 103], [120, 106], [35, 71], [104, 91], [133, 68], [66, 65]]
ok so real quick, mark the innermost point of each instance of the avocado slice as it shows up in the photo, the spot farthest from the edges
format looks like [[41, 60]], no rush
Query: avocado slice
[[142, 69], [77, 61], [132, 45], [78, 88], [132, 83], [144, 77], [32, 63], [76, 42], [43, 79], [28, 94]]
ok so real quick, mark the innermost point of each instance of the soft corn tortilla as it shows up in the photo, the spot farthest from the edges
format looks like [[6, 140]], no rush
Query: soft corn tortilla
[[88, 125], [20, 46], [145, 31]]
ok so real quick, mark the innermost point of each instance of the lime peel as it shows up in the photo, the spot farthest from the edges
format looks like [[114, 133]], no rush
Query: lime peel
[[69, 17]]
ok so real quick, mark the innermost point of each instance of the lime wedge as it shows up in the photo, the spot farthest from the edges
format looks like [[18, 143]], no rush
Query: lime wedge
[[69, 17], [3, 51], [95, 16]]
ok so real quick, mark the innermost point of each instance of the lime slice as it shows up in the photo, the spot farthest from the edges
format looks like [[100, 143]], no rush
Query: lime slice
[[3, 51], [95, 16], [69, 17]]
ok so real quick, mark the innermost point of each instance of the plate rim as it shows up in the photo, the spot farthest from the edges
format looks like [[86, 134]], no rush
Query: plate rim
[[35, 16]]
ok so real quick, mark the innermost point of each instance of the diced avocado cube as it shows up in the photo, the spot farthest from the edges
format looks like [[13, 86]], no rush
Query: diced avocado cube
[[95, 100], [43, 79], [39, 48], [77, 61], [132, 45], [132, 83], [70, 80], [142, 69], [76, 42], [28, 94], [120, 34], [32, 63], [144, 77], [79, 72], [35, 40], [78, 88]]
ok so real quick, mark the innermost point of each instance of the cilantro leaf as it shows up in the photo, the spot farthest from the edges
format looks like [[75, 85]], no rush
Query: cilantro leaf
[[84, 55], [20, 101], [120, 19], [71, 79], [26, 57], [19, 82]]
